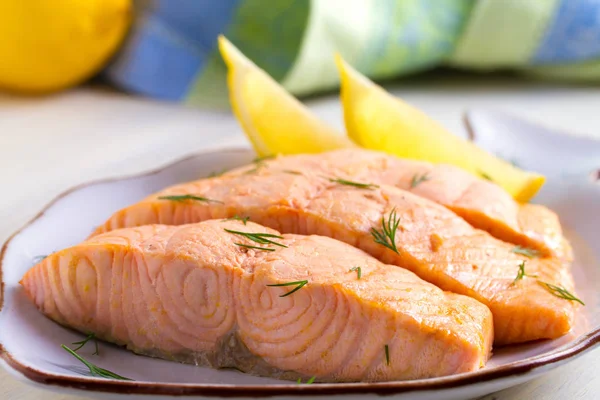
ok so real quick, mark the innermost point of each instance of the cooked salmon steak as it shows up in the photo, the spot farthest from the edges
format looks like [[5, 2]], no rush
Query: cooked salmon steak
[[428, 239], [480, 202], [286, 306]]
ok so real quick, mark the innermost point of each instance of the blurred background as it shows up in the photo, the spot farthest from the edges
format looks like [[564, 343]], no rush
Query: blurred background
[[166, 49], [91, 89]]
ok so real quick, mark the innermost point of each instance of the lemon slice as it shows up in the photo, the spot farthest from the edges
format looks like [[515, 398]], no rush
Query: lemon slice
[[376, 120], [275, 122]]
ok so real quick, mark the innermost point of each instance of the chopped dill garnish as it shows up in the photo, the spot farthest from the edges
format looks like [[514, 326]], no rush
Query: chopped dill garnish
[[387, 235], [486, 176], [368, 186], [289, 171], [358, 271], [254, 247], [261, 238], [418, 179], [521, 273], [38, 259], [81, 343], [95, 370], [253, 170], [214, 174], [299, 285], [531, 253], [308, 382], [258, 160], [238, 218], [185, 197], [561, 292]]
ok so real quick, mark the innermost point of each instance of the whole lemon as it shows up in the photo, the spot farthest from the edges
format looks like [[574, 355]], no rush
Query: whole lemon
[[47, 45]]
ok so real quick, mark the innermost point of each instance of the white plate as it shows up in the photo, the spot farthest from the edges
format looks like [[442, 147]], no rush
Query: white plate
[[30, 343]]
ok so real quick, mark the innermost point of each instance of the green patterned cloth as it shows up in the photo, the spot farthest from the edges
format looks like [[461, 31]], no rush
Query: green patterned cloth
[[171, 51]]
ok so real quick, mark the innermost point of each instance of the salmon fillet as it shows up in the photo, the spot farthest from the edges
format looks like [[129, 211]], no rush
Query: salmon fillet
[[196, 294], [480, 202], [431, 240]]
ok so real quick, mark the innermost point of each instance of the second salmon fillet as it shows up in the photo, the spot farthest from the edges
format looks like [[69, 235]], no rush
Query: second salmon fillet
[[480, 202], [297, 307], [430, 240]]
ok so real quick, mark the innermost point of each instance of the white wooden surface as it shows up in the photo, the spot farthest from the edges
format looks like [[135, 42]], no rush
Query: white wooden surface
[[50, 144]]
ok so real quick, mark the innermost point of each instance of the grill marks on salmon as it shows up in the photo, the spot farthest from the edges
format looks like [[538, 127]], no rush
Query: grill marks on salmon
[[482, 203], [189, 293], [433, 242]]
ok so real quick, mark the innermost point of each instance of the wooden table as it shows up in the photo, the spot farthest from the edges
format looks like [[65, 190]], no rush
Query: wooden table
[[50, 144]]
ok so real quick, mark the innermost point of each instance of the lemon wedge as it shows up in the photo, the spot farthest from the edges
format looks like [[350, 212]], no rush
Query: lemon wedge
[[274, 121], [54, 44], [376, 120]]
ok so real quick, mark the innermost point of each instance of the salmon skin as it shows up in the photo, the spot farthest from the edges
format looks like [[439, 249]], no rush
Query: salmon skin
[[204, 294], [480, 202], [430, 240]]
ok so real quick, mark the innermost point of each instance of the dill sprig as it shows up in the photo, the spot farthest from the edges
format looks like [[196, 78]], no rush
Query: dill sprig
[[521, 273], [299, 285], [254, 247], [486, 176], [358, 271], [387, 354], [253, 170], [418, 179], [387, 235], [185, 197], [259, 162], [95, 370], [38, 259], [561, 292], [215, 174], [238, 218], [308, 382], [261, 238], [368, 186], [81, 343], [531, 253]]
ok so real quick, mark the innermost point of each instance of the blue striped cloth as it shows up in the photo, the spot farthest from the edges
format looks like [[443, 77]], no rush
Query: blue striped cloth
[[171, 51]]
